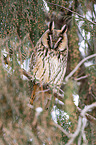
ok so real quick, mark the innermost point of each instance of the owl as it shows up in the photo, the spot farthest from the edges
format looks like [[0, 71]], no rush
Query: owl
[[48, 63]]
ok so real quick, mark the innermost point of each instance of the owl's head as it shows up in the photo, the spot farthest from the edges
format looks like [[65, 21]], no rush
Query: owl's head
[[55, 39]]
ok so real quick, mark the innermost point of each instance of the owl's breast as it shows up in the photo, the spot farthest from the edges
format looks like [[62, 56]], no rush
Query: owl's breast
[[49, 70]]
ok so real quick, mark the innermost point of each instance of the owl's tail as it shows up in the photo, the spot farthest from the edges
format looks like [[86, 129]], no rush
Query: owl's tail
[[33, 94]]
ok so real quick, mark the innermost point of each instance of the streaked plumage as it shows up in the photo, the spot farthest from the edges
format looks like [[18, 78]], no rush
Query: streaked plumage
[[48, 64]]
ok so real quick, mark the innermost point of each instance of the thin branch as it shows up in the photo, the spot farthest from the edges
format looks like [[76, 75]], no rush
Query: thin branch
[[76, 132], [79, 126], [79, 64], [31, 42], [87, 108], [83, 131], [93, 95], [25, 73], [83, 77], [56, 95], [88, 116], [64, 131], [22, 42], [71, 12]]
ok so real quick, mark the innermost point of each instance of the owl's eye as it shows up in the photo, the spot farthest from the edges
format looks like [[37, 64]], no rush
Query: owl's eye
[[63, 29], [49, 61], [58, 43], [61, 37], [54, 39], [49, 39]]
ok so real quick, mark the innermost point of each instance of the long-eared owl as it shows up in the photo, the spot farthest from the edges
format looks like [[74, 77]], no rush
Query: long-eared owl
[[48, 63]]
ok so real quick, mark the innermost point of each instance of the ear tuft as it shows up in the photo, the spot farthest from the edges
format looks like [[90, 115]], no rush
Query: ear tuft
[[51, 25], [64, 29]]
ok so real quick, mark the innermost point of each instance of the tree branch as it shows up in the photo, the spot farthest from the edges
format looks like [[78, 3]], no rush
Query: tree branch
[[71, 12], [83, 77], [25, 73], [88, 116], [79, 64], [87, 108], [64, 131], [80, 126]]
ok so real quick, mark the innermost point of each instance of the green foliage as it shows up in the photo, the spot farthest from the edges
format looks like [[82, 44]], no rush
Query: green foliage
[[22, 24]]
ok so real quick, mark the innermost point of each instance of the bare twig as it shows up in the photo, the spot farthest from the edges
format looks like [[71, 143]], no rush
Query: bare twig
[[31, 42], [64, 131], [56, 95], [87, 108], [83, 131], [73, 136], [88, 116], [79, 64], [22, 42], [25, 73], [42, 95], [92, 94], [71, 12], [83, 77], [81, 127]]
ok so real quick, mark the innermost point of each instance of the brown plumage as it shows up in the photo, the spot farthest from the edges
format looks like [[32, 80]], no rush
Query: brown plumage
[[48, 64]]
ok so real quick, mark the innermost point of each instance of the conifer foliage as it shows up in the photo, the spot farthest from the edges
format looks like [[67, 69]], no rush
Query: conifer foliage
[[22, 24]]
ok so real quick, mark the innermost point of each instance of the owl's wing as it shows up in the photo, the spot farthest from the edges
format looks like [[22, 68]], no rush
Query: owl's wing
[[33, 60]]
